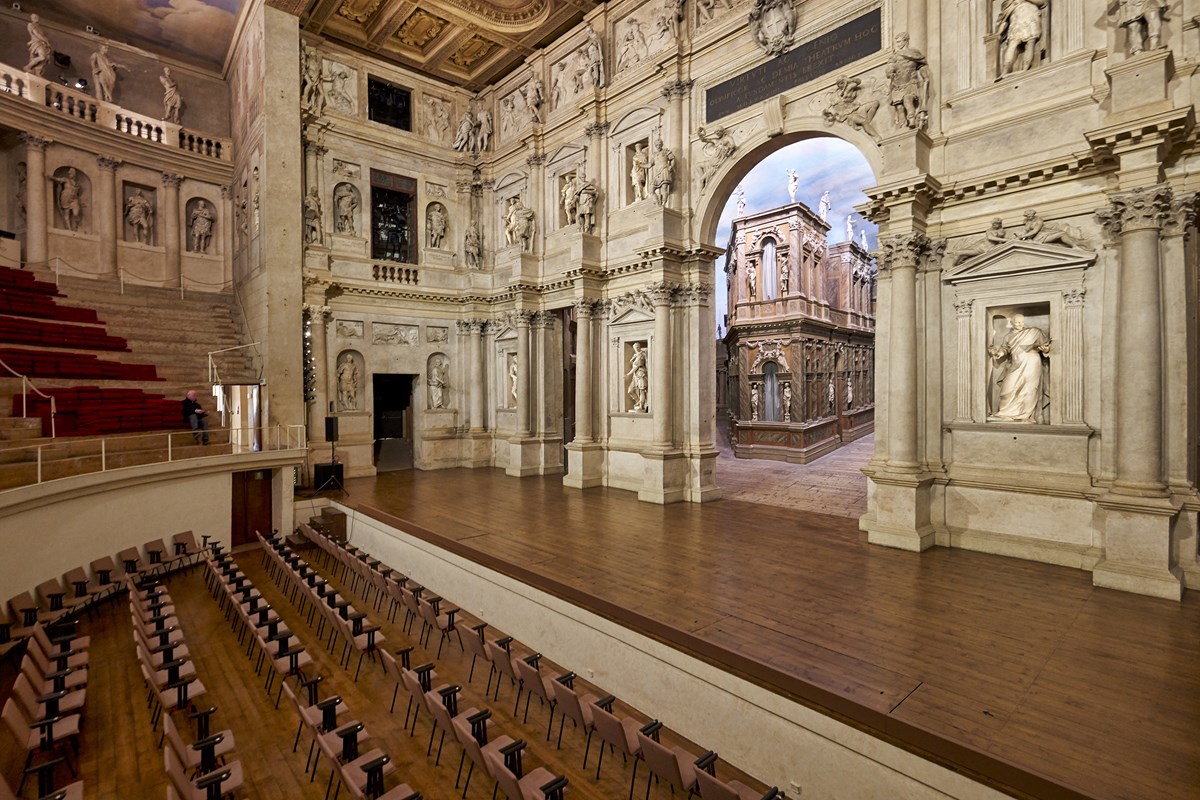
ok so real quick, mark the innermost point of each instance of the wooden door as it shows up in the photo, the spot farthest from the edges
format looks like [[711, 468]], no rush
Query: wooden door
[[251, 505]]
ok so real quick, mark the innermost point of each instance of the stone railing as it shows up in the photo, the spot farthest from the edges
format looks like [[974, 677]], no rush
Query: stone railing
[[81, 106], [394, 274]]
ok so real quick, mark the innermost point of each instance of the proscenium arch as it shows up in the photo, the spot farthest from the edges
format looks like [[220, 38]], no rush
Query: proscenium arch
[[758, 147]]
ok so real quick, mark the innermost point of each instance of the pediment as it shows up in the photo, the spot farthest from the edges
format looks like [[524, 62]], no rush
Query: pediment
[[1016, 258], [631, 315]]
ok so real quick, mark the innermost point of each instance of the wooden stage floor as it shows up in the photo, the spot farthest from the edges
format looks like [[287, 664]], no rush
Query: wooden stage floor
[[1021, 674]]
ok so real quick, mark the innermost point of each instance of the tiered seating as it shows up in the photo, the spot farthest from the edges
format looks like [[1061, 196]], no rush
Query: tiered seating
[[23, 295], [55, 364], [91, 410]]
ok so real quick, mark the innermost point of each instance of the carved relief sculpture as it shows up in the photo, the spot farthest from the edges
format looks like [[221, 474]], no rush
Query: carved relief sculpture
[[70, 200], [848, 107], [347, 384], [40, 50], [473, 246], [773, 25], [535, 97], [718, 147], [632, 48], [345, 206], [140, 216], [638, 379], [594, 58], [200, 226], [437, 119], [465, 140], [438, 382], [1022, 378], [1020, 29], [908, 81], [342, 91], [1142, 20], [436, 223], [519, 224], [312, 217], [639, 171], [172, 102], [662, 173], [312, 82], [1037, 230]]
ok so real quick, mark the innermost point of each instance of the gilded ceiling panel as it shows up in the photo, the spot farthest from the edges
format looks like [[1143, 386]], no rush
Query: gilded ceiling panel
[[475, 50], [420, 29]]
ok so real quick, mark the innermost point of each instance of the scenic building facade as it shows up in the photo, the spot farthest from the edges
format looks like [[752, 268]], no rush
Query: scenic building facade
[[509, 243]]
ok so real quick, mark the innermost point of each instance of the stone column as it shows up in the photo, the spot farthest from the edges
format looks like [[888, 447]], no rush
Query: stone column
[[36, 246], [318, 317], [965, 357], [224, 232], [474, 329], [522, 320], [673, 139], [171, 232], [796, 257], [1072, 357], [106, 214], [583, 372], [660, 364], [900, 255], [1135, 219], [310, 166]]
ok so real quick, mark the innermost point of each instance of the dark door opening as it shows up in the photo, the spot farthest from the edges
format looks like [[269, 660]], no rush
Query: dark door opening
[[251, 506], [393, 421]]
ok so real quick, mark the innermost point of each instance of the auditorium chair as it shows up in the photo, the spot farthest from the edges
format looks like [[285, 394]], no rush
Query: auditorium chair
[[172, 696], [201, 756], [418, 681], [131, 563], [540, 784], [159, 557], [60, 639], [41, 736], [500, 656], [443, 706], [475, 644], [619, 733], [473, 734], [82, 593], [45, 779], [532, 682], [433, 617], [392, 670], [52, 593], [26, 612], [187, 549], [48, 679], [38, 707], [220, 782], [110, 578], [318, 715], [674, 765], [11, 635], [572, 706], [710, 787]]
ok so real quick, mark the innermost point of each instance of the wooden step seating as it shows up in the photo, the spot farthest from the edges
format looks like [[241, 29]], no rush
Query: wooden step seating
[[56, 364], [92, 411]]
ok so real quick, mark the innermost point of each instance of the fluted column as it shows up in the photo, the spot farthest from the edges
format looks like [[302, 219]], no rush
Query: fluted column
[[1072, 353], [224, 228], [310, 166], [171, 226], [673, 138], [474, 329], [1135, 219], [795, 259], [523, 319], [900, 255], [106, 214], [963, 309], [36, 251], [318, 316], [583, 371], [660, 392]]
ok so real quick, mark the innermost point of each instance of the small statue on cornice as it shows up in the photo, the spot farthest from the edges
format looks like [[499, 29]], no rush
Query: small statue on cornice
[[1038, 230], [773, 25]]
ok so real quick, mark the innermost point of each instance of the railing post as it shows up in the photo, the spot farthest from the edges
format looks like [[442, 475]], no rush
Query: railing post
[[53, 415], [169, 440], [24, 397], [39, 464], [57, 267], [121, 275], [103, 455]]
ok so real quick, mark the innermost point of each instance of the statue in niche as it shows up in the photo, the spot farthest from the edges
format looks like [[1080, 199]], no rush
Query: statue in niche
[[40, 51], [312, 82], [585, 202], [347, 384], [70, 200], [787, 401], [312, 217], [849, 393], [104, 73], [200, 225], [438, 383], [784, 278], [512, 380], [172, 102], [662, 173], [345, 205], [508, 117], [465, 139], [755, 401], [140, 216], [908, 81], [1038, 230], [436, 222], [570, 198], [473, 246], [846, 106], [831, 396], [638, 378], [483, 132], [437, 119], [633, 45], [773, 25], [793, 183], [718, 147], [1022, 379], [22, 191], [519, 224], [1142, 19], [1020, 29], [639, 171], [594, 57], [751, 281], [824, 207], [535, 97]]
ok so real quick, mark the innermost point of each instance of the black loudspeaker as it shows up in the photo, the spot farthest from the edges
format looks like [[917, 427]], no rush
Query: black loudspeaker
[[331, 430], [328, 476]]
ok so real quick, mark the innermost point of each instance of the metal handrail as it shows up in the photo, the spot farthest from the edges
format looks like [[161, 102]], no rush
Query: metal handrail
[[26, 385], [213, 377]]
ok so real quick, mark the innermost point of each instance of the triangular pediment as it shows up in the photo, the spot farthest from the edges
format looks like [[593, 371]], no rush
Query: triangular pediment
[[1016, 258], [630, 315]]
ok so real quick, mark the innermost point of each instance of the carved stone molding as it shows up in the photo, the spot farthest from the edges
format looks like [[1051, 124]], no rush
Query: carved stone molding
[[171, 179], [107, 163], [1136, 209], [33, 142], [678, 89], [904, 250], [963, 308], [226, 192], [1183, 212], [1074, 297], [660, 293], [536, 160], [771, 350], [596, 128]]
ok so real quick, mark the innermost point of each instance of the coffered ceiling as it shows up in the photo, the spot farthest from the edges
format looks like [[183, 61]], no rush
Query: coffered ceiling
[[469, 43]]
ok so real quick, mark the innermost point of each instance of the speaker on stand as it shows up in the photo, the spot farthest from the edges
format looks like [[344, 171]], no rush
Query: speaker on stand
[[329, 476]]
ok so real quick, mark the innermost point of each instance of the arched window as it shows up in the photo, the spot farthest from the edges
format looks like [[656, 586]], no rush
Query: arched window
[[770, 270], [770, 391]]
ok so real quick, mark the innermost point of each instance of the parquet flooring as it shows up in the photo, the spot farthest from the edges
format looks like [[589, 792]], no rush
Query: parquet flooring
[[1019, 672]]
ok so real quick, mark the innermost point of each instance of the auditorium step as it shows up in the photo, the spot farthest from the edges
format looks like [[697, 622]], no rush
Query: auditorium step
[[24, 471]]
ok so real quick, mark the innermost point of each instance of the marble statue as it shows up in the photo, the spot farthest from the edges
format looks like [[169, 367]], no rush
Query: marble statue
[[1038, 230], [705, 11], [849, 393], [347, 384], [312, 217], [996, 234], [1022, 380], [1020, 29], [558, 89], [639, 171], [1142, 19], [773, 25], [824, 207], [793, 183], [741, 202], [862, 239], [669, 17], [436, 223], [831, 398], [849, 227], [508, 117], [438, 383], [908, 83], [345, 204], [594, 57], [638, 378], [172, 102], [512, 380], [754, 402], [40, 51], [718, 147], [787, 401], [633, 45], [201, 226], [483, 132], [751, 282], [140, 216], [662, 173], [473, 246], [585, 202], [847, 107], [312, 82], [22, 190], [104, 73], [535, 98], [70, 200], [785, 276], [437, 119], [519, 224], [569, 196], [465, 138]]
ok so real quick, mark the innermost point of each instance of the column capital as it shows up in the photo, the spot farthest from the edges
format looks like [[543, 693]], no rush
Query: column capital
[[171, 180], [33, 142], [108, 164], [693, 294], [964, 308], [596, 128], [1183, 212], [1135, 209], [585, 308], [523, 318], [226, 192], [660, 292], [903, 250], [676, 89], [542, 319], [1074, 298], [318, 314]]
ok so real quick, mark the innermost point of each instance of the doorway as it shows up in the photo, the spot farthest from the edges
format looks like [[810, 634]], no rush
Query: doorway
[[393, 421], [251, 506]]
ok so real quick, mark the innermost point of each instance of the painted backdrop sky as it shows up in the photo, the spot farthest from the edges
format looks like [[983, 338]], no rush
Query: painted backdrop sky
[[824, 165]]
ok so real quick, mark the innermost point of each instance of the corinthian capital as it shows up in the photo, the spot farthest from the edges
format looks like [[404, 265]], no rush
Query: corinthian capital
[[660, 292], [904, 250], [1136, 209]]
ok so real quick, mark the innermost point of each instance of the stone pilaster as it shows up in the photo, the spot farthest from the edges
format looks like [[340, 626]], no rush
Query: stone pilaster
[[963, 311], [474, 331], [106, 213], [584, 378], [660, 385], [36, 245], [1073, 356], [171, 227], [318, 318], [522, 321], [900, 255]]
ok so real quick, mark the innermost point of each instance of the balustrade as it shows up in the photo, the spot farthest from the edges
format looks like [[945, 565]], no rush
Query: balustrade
[[387, 272]]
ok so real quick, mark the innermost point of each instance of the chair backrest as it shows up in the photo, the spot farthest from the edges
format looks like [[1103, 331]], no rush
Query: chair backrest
[[474, 645], [43, 641], [77, 575], [501, 659], [175, 774], [661, 761], [186, 537], [412, 684], [713, 789], [609, 727], [15, 720], [462, 732], [531, 679], [427, 612], [568, 702], [129, 554], [391, 667], [23, 692], [173, 738], [49, 587], [433, 701], [18, 603]]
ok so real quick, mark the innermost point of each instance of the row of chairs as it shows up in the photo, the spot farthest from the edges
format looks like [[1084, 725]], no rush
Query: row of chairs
[[594, 716], [45, 711], [198, 770]]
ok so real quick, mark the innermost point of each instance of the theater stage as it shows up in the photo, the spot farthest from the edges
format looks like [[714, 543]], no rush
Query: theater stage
[[1021, 675]]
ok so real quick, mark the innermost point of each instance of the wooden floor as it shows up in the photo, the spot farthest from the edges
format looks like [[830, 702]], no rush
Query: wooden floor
[[1020, 673]]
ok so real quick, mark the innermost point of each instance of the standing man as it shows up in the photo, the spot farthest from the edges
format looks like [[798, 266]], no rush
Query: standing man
[[194, 415]]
